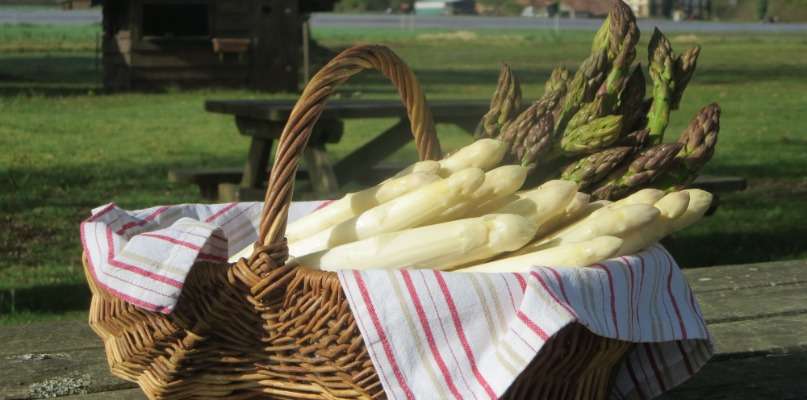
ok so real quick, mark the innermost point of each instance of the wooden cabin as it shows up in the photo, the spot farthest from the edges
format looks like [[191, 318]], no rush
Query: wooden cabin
[[154, 44]]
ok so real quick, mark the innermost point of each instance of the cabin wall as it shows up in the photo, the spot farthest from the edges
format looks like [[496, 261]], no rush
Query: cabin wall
[[143, 52]]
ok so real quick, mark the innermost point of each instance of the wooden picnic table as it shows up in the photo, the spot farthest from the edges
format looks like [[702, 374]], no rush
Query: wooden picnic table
[[263, 121], [757, 314]]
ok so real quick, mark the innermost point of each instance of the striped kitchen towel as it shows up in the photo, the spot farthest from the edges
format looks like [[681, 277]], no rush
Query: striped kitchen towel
[[431, 334]]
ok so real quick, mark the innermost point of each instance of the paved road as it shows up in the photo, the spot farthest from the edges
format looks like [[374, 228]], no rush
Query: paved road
[[463, 22], [55, 16], [45, 16]]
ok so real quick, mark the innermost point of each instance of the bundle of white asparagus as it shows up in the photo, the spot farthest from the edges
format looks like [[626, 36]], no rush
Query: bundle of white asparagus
[[466, 213]]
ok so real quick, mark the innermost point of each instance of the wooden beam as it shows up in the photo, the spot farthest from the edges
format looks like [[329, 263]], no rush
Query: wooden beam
[[255, 171], [753, 303], [733, 277], [47, 338], [62, 373], [373, 152], [776, 335], [279, 109], [124, 394], [320, 169]]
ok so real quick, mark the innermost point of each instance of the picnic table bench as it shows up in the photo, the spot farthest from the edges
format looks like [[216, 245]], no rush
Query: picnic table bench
[[757, 314], [263, 121]]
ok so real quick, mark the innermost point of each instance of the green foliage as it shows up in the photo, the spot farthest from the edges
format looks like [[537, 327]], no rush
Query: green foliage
[[366, 5], [754, 10], [762, 9], [501, 7]]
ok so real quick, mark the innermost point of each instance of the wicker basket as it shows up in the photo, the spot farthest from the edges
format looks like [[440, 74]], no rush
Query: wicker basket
[[266, 328]]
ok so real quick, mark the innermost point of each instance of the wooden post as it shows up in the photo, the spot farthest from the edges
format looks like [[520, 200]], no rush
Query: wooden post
[[306, 50], [275, 60]]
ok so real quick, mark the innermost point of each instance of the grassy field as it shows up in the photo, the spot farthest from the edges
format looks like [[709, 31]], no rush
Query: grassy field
[[68, 148]]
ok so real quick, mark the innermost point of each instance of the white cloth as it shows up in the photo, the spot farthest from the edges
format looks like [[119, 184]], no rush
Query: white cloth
[[431, 334]]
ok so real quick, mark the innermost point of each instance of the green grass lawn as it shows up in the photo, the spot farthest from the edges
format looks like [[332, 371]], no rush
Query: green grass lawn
[[68, 148]]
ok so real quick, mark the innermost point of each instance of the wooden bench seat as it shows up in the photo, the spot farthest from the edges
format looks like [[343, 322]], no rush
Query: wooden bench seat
[[210, 179], [757, 314]]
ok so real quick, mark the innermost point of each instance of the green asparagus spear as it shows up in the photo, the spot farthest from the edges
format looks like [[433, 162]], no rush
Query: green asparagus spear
[[582, 88], [623, 33], [643, 170], [631, 101], [504, 106], [661, 72], [637, 140], [684, 69], [530, 135], [591, 137], [698, 142], [557, 83], [589, 170]]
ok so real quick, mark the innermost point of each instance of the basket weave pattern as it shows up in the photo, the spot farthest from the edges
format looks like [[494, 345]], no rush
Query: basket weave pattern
[[265, 327]]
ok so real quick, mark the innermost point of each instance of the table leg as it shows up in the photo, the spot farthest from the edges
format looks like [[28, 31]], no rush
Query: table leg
[[376, 150], [320, 170], [468, 125], [257, 163]]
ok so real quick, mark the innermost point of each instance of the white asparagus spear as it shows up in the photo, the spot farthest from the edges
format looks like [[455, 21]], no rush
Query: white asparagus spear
[[483, 153], [353, 204], [575, 210], [426, 166], [499, 183], [416, 208], [644, 196], [670, 207], [547, 231], [542, 203], [699, 202], [647, 196], [604, 222], [579, 254], [439, 246]]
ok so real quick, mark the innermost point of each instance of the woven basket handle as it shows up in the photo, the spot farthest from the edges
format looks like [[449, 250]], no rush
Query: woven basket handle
[[310, 106]]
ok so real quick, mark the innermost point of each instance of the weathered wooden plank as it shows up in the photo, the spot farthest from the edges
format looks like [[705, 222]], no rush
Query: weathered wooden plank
[[761, 336], [125, 394], [63, 373], [233, 7], [753, 303], [38, 338], [373, 152], [259, 128], [257, 162], [232, 23], [731, 277], [205, 175], [119, 43], [158, 43], [190, 58], [320, 169], [763, 377], [279, 110], [720, 183], [224, 72]]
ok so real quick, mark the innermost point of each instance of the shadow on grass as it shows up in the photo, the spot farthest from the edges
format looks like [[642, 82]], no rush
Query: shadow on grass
[[694, 251], [744, 73], [79, 185], [779, 169], [49, 75], [46, 298]]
